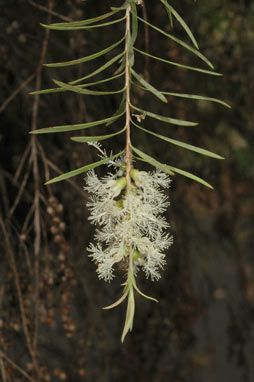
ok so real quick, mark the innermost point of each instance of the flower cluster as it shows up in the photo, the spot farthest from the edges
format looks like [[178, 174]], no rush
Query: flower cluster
[[130, 222]]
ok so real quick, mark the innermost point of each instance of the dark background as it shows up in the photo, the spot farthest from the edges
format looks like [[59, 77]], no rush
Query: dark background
[[52, 327]]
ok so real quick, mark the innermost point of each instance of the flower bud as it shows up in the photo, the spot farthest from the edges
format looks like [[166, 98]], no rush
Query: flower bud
[[136, 255], [119, 186], [137, 176]]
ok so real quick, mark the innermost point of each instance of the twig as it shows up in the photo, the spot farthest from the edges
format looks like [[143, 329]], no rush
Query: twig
[[21, 190], [13, 364], [4, 193], [16, 184], [16, 92], [2, 369], [22, 162], [58, 171], [49, 10], [13, 266], [28, 261], [36, 176], [45, 163]]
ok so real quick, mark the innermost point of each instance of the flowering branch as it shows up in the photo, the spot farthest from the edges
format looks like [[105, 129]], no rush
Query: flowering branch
[[127, 205]]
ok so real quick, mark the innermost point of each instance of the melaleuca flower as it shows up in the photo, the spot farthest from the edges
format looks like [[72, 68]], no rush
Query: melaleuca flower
[[130, 224]]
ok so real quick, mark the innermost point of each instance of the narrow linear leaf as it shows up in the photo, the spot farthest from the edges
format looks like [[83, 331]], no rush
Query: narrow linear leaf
[[77, 89], [180, 42], [129, 315], [149, 87], [169, 169], [122, 7], [87, 58], [83, 169], [61, 129], [179, 65], [101, 81], [59, 90], [173, 121], [71, 27], [170, 18], [190, 176], [120, 110], [184, 145], [118, 302], [97, 137], [152, 161], [121, 67], [143, 294], [198, 97], [131, 57], [181, 21], [84, 22], [134, 29], [99, 70]]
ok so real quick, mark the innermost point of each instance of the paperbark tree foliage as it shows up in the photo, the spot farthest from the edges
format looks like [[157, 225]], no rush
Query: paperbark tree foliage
[[127, 204]]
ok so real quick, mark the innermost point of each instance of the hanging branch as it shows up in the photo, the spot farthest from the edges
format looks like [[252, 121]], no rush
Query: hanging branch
[[127, 205]]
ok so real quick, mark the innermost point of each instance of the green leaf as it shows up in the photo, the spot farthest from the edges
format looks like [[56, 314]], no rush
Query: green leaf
[[83, 22], [100, 69], [179, 65], [147, 158], [190, 176], [143, 294], [129, 315], [59, 90], [83, 169], [118, 302], [130, 52], [69, 28], [198, 97], [122, 7], [77, 89], [97, 137], [134, 29], [120, 110], [149, 87], [169, 169], [182, 144], [100, 81], [61, 129], [170, 18], [87, 58], [181, 21], [173, 121], [180, 42]]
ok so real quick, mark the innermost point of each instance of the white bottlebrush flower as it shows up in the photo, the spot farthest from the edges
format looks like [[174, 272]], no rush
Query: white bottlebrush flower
[[129, 223]]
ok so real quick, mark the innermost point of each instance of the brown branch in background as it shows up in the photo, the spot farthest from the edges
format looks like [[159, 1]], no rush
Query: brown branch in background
[[49, 11], [21, 190], [36, 176], [58, 171], [4, 193], [2, 367], [22, 162], [147, 60], [15, 366], [45, 164], [16, 92], [13, 266]]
